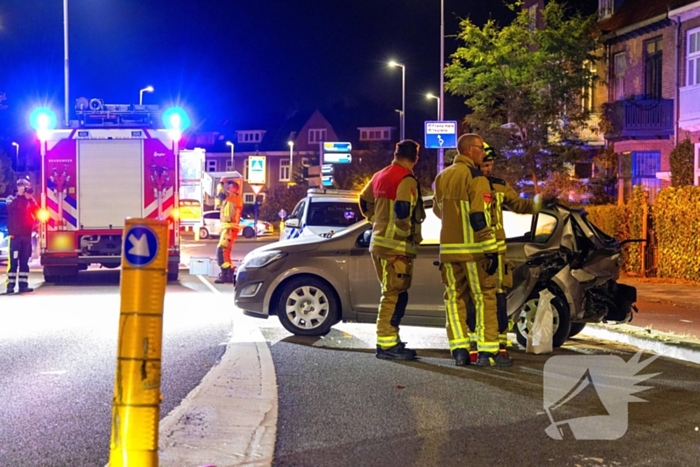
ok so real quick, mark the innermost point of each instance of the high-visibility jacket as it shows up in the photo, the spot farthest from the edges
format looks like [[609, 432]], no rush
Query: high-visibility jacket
[[230, 214], [463, 200], [392, 202], [506, 196]]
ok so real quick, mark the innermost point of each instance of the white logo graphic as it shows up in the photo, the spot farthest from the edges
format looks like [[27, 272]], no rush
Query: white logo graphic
[[139, 246], [440, 140], [590, 394]]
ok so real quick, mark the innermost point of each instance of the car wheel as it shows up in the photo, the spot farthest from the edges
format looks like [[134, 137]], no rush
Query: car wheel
[[248, 232], [203, 233], [308, 307], [576, 328], [561, 320]]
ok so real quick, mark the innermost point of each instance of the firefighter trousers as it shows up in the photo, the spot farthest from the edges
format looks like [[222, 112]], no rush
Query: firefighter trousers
[[505, 281], [223, 250], [395, 278], [18, 262], [467, 285]]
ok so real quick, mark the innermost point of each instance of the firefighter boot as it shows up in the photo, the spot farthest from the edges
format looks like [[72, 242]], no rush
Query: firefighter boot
[[473, 353], [461, 357], [497, 359], [25, 290], [397, 352], [10, 289], [225, 276]]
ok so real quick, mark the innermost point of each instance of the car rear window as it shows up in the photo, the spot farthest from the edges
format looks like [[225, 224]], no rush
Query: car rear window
[[333, 214]]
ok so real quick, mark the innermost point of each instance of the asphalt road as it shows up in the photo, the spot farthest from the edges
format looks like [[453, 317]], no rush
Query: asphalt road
[[340, 406], [58, 356]]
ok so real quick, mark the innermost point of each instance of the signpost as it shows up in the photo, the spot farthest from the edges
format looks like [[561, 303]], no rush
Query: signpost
[[337, 153], [256, 190], [327, 180], [327, 169], [440, 135], [256, 170]]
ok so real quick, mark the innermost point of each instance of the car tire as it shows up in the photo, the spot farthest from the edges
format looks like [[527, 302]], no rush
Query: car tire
[[248, 232], [308, 307], [203, 233], [526, 318], [576, 328]]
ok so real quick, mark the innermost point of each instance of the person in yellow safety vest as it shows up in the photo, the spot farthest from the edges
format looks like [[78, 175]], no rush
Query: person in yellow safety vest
[[392, 202], [469, 254], [504, 195], [230, 216]]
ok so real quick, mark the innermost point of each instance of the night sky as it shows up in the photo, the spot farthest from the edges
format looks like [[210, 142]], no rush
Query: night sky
[[230, 59]]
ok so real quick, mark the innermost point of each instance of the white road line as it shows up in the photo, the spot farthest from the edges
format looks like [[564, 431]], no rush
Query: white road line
[[685, 321], [208, 284]]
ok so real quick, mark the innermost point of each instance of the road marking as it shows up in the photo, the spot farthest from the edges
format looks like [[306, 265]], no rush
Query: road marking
[[208, 284], [685, 321]]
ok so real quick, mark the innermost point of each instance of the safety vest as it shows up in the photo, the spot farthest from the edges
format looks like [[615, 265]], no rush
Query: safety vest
[[463, 200], [230, 215], [392, 237], [504, 195]]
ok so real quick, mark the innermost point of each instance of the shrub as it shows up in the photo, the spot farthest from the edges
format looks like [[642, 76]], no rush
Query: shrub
[[677, 225]]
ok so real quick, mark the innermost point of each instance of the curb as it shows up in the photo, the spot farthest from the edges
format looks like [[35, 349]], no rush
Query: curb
[[662, 343], [230, 419]]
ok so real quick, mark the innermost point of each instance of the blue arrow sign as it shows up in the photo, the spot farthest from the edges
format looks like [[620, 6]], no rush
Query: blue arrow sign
[[141, 246], [440, 135], [337, 147]]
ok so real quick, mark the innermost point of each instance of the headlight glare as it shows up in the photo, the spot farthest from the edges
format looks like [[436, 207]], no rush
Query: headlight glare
[[262, 259]]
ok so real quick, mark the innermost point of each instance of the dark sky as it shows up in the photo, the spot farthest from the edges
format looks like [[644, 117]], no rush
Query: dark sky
[[229, 59]]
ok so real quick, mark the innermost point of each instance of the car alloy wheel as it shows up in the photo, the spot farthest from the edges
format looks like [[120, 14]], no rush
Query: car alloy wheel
[[307, 307], [248, 232], [203, 233], [561, 321]]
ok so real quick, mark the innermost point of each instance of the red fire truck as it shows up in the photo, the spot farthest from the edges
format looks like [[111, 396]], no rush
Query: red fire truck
[[115, 164]]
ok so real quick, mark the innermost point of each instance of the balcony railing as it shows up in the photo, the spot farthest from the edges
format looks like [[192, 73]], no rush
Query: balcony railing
[[689, 111], [640, 118]]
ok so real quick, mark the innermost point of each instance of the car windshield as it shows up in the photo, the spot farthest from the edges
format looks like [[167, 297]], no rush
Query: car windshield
[[333, 214]]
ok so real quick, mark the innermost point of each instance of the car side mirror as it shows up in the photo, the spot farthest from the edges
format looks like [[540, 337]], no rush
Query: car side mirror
[[292, 223]]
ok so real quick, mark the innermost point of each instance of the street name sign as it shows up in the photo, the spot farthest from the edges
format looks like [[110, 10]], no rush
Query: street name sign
[[440, 135]]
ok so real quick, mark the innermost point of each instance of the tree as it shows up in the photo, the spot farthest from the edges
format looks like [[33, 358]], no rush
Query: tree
[[7, 175], [682, 164], [524, 86], [281, 197]]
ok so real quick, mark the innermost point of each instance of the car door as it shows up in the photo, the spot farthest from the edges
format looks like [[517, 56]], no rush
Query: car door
[[212, 222], [293, 226]]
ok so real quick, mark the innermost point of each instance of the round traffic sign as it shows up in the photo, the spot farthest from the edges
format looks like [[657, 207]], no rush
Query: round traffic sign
[[282, 213], [141, 246]]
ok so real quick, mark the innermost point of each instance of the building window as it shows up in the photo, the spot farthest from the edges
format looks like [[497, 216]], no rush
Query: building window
[[693, 60], [374, 134], [317, 135], [588, 92], [606, 8], [305, 162], [284, 170], [645, 165], [229, 165], [211, 165], [245, 169], [619, 68], [653, 61], [250, 136], [248, 198]]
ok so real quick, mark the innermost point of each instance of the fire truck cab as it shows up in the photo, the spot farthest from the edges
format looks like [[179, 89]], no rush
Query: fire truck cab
[[116, 163]]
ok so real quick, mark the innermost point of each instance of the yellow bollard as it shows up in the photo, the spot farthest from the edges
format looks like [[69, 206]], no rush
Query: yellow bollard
[[136, 403], [196, 233]]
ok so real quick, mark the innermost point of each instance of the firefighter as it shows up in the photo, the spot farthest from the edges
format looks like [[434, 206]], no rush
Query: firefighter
[[391, 201], [469, 255], [231, 207], [21, 216], [504, 195]]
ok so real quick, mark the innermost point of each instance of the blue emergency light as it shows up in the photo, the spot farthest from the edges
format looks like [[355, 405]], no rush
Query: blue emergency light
[[42, 119], [175, 118]]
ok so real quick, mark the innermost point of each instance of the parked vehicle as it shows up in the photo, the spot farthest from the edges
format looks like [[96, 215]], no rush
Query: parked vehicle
[[211, 226], [312, 283], [321, 212]]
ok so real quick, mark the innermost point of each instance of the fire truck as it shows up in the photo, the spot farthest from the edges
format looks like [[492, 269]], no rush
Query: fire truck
[[116, 162]]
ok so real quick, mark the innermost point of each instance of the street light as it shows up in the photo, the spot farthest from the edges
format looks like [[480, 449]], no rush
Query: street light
[[16, 145], [146, 89], [233, 166], [400, 112], [403, 96], [291, 160], [430, 96]]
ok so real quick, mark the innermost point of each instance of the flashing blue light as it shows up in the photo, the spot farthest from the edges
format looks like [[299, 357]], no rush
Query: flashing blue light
[[175, 118], [42, 119]]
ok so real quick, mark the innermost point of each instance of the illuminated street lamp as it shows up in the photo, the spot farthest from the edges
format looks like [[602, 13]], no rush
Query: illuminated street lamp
[[16, 145], [430, 96], [291, 161], [229, 143], [146, 89], [403, 95]]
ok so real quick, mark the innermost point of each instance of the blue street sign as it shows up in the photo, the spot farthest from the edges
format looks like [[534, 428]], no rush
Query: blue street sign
[[327, 180], [141, 246], [327, 169], [441, 135], [337, 147], [282, 213], [336, 158]]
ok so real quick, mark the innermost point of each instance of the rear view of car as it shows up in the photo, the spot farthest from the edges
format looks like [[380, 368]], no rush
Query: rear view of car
[[322, 212]]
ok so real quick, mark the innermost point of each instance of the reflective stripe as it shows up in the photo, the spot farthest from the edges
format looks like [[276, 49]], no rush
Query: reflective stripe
[[467, 232], [459, 344], [452, 310], [458, 248], [500, 273], [397, 246], [478, 298], [386, 342], [391, 226]]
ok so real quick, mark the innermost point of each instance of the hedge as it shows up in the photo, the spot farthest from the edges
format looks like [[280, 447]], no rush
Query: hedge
[[677, 225]]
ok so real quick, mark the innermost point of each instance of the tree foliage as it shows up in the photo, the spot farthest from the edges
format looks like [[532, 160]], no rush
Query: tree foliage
[[280, 197], [524, 85], [7, 175], [682, 164]]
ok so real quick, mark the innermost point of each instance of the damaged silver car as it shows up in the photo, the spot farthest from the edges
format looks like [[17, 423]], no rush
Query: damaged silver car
[[313, 283]]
